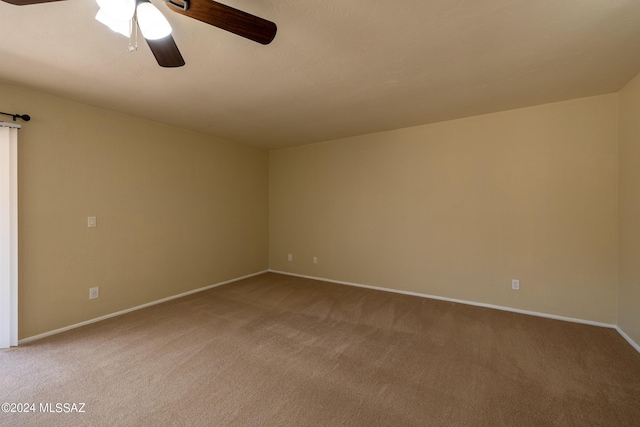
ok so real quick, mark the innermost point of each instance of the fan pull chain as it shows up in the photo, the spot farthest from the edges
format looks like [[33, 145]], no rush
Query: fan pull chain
[[133, 38]]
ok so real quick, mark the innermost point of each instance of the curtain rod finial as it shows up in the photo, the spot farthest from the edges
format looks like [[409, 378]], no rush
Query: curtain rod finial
[[24, 117]]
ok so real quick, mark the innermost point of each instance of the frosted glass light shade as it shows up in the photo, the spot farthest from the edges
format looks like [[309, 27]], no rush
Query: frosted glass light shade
[[119, 26], [152, 22], [118, 9]]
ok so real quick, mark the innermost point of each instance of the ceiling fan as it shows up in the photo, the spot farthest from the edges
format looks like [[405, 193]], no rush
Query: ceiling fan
[[122, 15]]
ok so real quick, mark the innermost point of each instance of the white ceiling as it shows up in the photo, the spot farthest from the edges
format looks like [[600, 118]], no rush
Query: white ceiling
[[336, 67]]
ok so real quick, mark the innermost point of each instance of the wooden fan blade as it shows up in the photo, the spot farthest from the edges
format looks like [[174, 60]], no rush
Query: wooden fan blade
[[166, 52], [229, 19], [27, 2]]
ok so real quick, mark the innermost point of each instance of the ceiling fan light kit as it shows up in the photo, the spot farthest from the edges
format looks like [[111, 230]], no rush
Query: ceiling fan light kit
[[152, 22], [121, 16], [121, 10], [119, 26]]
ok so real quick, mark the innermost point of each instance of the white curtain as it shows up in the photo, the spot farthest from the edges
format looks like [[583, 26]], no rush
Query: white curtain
[[8, 234]]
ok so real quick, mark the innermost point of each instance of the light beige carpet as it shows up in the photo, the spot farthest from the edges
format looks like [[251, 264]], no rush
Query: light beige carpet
[[275, 350]]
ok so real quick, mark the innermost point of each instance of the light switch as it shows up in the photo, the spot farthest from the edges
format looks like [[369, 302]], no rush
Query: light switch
[[91, 221]]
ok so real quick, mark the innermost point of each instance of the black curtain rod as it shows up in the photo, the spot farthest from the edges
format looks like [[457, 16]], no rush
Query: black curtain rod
[[24, 117]]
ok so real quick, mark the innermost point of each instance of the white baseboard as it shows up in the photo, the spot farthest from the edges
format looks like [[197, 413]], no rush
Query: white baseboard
[[129, 310], [477, 304], [628, 338]]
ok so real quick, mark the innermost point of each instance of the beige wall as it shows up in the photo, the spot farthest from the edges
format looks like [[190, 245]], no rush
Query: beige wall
[[459, 208], [629, 302], [176, 210], [455, 209]]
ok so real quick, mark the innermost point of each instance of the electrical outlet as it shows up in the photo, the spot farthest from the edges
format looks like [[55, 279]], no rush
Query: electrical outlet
[[315, 259], [515, 284], [94, 293], [92, 221], [290, 257]]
